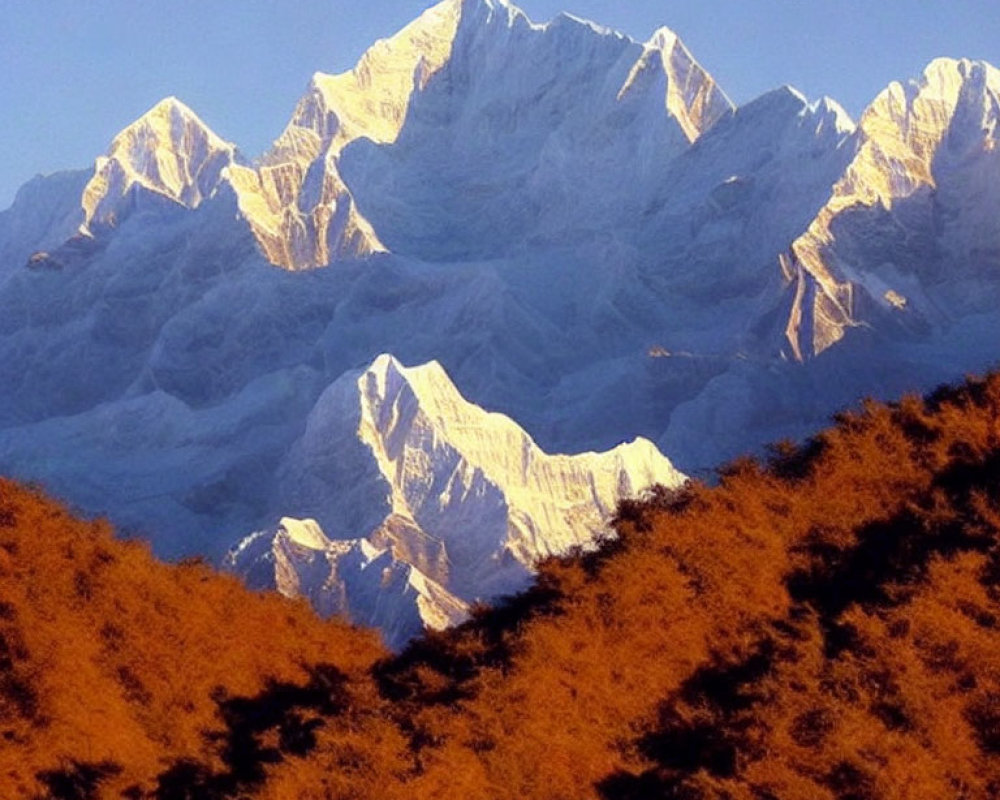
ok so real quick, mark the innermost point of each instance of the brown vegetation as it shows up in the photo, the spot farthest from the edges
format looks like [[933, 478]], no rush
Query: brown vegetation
[[117, 673], [826, 625]]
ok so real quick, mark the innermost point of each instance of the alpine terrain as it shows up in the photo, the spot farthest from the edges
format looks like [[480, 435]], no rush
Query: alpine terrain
[[577, 230]]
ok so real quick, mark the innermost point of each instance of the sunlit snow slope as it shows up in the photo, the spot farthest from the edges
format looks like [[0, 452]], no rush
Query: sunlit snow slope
[[458, 501], [432, 122]]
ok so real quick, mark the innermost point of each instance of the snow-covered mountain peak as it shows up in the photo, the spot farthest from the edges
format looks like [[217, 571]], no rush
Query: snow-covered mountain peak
[[566, 20], [824, 114], [830, 109], [353, 577], [371, 100], [407, 404], [462, 494], [663, 38], [911, 141], [162, 118], [404, 496], [950, 74], [299, 207], [168, 109], [535, 100], [693, 98], [384, 381], [923, 109], [386, 364], [168, 152], [792, 92], [490, 11]]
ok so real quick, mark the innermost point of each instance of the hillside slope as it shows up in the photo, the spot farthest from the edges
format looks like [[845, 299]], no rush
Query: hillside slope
[[823, 626], [115, 668]]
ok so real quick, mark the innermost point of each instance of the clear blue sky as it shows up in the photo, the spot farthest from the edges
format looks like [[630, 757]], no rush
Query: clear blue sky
[[73, 73]]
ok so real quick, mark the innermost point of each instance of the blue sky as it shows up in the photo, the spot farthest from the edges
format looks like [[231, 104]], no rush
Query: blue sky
[[74, 73]]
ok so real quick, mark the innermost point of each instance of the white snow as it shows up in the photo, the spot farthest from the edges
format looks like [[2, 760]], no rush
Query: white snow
[[451, 80], [349, 577], [469, 502], [168, 151], [920, 145]]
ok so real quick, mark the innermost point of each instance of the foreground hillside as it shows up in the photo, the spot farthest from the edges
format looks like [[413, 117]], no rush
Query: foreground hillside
[[115, 668], [823, 626]]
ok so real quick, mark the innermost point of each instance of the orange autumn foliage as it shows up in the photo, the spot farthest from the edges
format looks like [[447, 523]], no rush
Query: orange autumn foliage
[[115, 663], [824, 625]]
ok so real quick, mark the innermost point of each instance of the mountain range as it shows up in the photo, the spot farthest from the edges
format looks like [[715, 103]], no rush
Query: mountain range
[[578, 229]]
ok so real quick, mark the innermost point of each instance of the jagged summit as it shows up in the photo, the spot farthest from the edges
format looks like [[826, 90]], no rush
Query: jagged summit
[[547, 118], [565, 19], [168, 152], [951, 71], [490, 10], [305, 211], [371, 99], [692, 96], [442, 78], [921, 147], [831, 109], [298, 205], [824, 112], [354, 578], [378, 158], [458, 501]]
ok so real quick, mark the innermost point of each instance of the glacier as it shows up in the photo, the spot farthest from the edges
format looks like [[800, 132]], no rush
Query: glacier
[[579, 229]]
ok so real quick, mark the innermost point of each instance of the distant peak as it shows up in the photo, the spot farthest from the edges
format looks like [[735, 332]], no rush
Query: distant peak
[[827, 103], [790, 90], [304, 532], [780, 96], [493, 5], [693, 98], [170, 108], [944, 81], [167, 121], [831, 108], [784, 100], [384, 363], [171, 104], [168, 151], [787, 100], [566, 19], [945, 71], [945, 64], [484, 9], [663, 38], [388, 371]]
